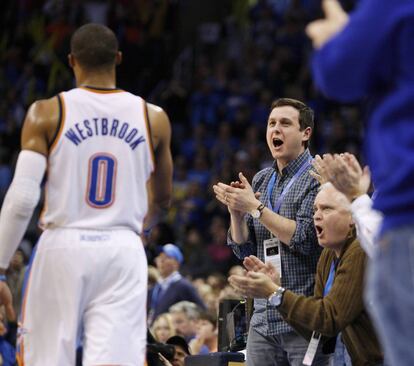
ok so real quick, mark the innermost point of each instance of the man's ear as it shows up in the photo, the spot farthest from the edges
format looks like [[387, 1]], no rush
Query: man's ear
[[307, 133], [71, 60], [118, 58]]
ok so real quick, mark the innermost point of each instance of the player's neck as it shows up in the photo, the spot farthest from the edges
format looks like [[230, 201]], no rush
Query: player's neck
[[97, 80], [98, 84]]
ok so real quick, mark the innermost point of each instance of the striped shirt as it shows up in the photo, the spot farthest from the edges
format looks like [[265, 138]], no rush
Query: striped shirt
[[300, 256]]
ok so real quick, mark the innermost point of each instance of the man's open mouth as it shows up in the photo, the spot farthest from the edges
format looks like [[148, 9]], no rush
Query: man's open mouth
[[277, 142], [319, 230]]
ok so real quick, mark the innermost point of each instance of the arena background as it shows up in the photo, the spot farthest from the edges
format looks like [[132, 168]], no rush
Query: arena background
[[214, 66]]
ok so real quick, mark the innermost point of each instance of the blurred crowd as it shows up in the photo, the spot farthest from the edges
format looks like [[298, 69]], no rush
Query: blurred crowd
[[216, 86], [217, 89]]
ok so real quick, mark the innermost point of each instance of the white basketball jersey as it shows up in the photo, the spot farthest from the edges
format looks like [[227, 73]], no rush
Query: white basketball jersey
[[100, 162]]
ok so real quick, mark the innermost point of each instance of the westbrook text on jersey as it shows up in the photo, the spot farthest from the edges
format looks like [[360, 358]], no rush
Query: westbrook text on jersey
[[104, 127]]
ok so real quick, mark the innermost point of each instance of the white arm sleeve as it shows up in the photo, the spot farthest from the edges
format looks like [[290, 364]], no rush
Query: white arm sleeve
[[367, 221], [19, 203]]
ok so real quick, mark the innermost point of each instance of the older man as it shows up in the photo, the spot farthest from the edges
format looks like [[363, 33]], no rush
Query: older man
[[345, 173], [337, 304]]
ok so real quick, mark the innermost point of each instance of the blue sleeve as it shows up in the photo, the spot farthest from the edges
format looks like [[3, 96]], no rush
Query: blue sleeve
[[204, 350], [241, 250], [347, 67]]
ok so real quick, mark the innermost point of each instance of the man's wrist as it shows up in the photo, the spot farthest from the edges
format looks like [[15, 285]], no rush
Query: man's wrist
[[271, 289], [3, 278], [237, 217], [352, 196], [254, 205], [276, 298], [257, 212]]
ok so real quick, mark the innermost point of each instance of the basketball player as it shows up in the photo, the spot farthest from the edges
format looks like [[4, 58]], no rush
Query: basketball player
[[109, 178]]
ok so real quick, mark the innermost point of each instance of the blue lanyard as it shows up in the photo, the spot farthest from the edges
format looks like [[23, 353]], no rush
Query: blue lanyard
[[330, 280], [272, 183]]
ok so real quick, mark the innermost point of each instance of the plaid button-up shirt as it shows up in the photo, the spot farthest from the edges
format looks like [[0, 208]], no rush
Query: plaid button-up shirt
[[299, 258]]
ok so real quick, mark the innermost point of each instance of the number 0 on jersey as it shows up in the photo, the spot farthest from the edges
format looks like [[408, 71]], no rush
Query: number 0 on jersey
[[100, 191]]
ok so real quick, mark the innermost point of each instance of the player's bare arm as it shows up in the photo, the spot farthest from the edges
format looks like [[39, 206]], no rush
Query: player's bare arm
[[40, 126], [23, 195], [160, 183]]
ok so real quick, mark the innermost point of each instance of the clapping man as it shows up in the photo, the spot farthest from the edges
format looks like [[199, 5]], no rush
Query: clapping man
[[272, 219]]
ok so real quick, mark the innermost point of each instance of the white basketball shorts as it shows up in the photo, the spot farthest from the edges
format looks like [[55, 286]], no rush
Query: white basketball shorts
[[87, 286]]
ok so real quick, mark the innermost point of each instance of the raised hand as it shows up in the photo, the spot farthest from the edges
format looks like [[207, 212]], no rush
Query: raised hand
[[346, 174], [364, 175], [322, 30], [320, 173]]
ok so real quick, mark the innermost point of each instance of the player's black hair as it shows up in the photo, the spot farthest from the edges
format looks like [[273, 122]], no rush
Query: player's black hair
[[94, 46]]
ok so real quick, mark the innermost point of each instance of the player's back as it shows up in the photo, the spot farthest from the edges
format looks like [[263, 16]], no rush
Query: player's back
[[100, 162]]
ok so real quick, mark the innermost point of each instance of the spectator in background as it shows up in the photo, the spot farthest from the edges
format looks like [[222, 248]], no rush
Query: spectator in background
[[192, 206], [153, 277], [217, 281], [337, 303], [185, 315], [196, 264], [16, 272], [181, 350], [207, 293], [224, 146], [5, 173], [354, 60], [172, 287], [7, 351], [206, 335], [220, 254], [274, 215], [163, 328]]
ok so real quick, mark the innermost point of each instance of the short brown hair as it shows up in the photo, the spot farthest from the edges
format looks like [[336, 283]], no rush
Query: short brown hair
[[306, 115], [210, 317]]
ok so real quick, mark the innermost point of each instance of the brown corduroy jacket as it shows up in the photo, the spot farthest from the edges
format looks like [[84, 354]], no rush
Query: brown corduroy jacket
[[342, 310]]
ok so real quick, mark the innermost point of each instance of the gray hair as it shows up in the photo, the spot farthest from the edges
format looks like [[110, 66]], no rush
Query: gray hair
[[191, 310], [342, 198], [325, 185]]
